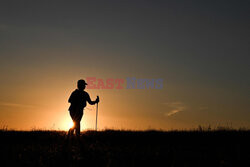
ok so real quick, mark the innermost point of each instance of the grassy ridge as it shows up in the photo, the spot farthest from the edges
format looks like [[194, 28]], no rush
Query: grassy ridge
[[125, 148]]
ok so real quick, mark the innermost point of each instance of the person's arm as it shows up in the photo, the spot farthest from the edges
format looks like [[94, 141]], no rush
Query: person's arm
[[92, 102], [71, 98]]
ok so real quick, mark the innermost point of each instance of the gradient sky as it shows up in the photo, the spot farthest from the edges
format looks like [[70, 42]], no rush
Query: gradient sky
[[199, 48]]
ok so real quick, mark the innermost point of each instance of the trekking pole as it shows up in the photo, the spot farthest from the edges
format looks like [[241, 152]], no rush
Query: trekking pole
[[96, 114]]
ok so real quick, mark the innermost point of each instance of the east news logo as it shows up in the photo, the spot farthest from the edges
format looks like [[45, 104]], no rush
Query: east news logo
[[128, 83]]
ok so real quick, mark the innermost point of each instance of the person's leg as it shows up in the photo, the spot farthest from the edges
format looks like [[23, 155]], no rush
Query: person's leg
[[72, 129], [79, 118], [78, 128], [74, 117], [70, 132]]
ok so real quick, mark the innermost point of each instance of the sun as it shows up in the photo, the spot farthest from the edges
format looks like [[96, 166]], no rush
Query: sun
[[66, 123], [71, 124]]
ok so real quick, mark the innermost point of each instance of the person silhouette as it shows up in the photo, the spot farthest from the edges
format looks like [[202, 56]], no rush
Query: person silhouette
[[77, 100]]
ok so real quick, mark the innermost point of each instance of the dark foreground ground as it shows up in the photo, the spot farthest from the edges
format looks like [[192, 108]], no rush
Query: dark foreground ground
[[125, 148]]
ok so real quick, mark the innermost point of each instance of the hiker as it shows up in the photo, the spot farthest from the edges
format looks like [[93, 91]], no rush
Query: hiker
[[78, 99]]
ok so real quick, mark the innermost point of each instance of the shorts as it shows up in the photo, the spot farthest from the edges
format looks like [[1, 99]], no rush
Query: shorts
[[76, 115]]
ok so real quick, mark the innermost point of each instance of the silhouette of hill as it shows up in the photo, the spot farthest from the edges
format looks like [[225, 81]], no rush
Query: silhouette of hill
[[125, 148]]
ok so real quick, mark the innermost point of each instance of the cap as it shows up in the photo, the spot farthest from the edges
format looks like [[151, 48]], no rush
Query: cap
[[81, 82]]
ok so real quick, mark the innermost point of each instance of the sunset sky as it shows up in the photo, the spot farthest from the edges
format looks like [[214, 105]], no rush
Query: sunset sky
[[199, 48]]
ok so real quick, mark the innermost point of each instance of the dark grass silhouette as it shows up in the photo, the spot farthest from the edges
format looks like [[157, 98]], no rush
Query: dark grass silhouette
[[125, 148]]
